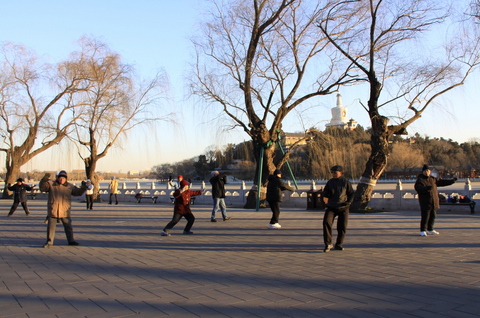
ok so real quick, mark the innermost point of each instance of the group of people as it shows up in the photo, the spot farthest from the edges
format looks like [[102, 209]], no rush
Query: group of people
[[337, 194], [60, 193]]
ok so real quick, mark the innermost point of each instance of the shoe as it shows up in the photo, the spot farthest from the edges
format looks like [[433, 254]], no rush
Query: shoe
[[432, 232], [275, 226], [27, 214], [339, 247], [47, 245], [327, 248], [165, 233], [187, 232], [213, 220], [116, 203], [227, 218], [423, 233], [73, 243], [109, 202], [9, 215]]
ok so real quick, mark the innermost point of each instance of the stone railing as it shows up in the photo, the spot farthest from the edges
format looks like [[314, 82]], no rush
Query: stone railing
[[384, 200]]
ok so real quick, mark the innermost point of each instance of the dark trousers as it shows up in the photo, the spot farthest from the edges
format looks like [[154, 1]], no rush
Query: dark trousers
[[275, 207], [67, 226], [428, 219], [342, 222], [15, 205], [116, 198], [176, 217], [89, 198]]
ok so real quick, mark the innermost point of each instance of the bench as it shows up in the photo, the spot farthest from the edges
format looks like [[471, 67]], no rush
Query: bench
[[140, 197], [471, 204], [32, 195]]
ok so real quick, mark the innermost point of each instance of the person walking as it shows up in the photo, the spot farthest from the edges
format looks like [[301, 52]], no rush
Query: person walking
[[274, 197], [218, 182], [59, 204], [182, 208], [89, 194], [338, 196], [426, 187], [19, 196], [113, 187]]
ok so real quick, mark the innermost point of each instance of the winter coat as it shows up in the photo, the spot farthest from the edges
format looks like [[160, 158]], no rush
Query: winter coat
[[339, 192], [426, 188], [218, 186], [182, 200], [113, 186], [90, 188], [275, 187], [20, 192], [59, 197]]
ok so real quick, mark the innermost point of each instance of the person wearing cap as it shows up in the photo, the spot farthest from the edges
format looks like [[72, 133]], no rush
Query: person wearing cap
[[89, 194], [338, 196], [275, 187], [426, 187], [19, 196], [59, 204], [218, 194], [113, 187], [182, 208]]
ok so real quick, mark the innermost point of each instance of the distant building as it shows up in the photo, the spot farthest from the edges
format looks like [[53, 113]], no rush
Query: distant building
[[133, 173], [339, 116], [288, 139]]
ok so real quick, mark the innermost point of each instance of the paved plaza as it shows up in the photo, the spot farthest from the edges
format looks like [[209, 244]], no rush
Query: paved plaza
[[239, 268]]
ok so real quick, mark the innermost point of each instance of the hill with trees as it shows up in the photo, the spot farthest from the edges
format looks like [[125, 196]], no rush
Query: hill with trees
[[332, 146]]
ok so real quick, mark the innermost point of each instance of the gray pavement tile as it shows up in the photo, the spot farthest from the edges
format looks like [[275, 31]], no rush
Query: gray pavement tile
[[124, 268], [143, 308]]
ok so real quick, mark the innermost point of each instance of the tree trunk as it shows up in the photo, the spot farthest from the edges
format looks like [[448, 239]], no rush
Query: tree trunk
[[12, 173], [90, 167], [376, 164], [267, 169]]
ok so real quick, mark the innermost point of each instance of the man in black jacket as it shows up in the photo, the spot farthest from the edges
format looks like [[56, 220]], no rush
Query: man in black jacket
[[20, 196], [426, 187], [218, 194], [274, 196], [338, 195]]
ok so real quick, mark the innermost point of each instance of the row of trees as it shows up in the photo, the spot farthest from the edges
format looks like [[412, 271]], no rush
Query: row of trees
[[91, 99], [261, 59], [331, 147]]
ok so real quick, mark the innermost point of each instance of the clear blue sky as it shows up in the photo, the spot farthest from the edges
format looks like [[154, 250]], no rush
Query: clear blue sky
[[153, 34]]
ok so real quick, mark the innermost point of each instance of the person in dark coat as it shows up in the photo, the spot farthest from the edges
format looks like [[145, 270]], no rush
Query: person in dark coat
[[426, 187], [218, 182], [182, 208], [274, 197], [338, 196], [19, 196]]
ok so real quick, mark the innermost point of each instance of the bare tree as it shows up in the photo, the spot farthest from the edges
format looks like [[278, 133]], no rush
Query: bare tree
[[35, 113], [405, 157], [383, 39], [113, 105], [259, 60], [475, 10]]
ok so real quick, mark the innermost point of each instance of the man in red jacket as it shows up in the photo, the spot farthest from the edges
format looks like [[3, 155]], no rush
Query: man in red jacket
[[182, 208]]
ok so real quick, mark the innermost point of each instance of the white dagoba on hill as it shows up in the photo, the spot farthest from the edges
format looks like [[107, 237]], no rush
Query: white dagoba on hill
[[339, 114]]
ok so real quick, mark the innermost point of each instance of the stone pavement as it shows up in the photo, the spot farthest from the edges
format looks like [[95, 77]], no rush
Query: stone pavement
[[239, 268]]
